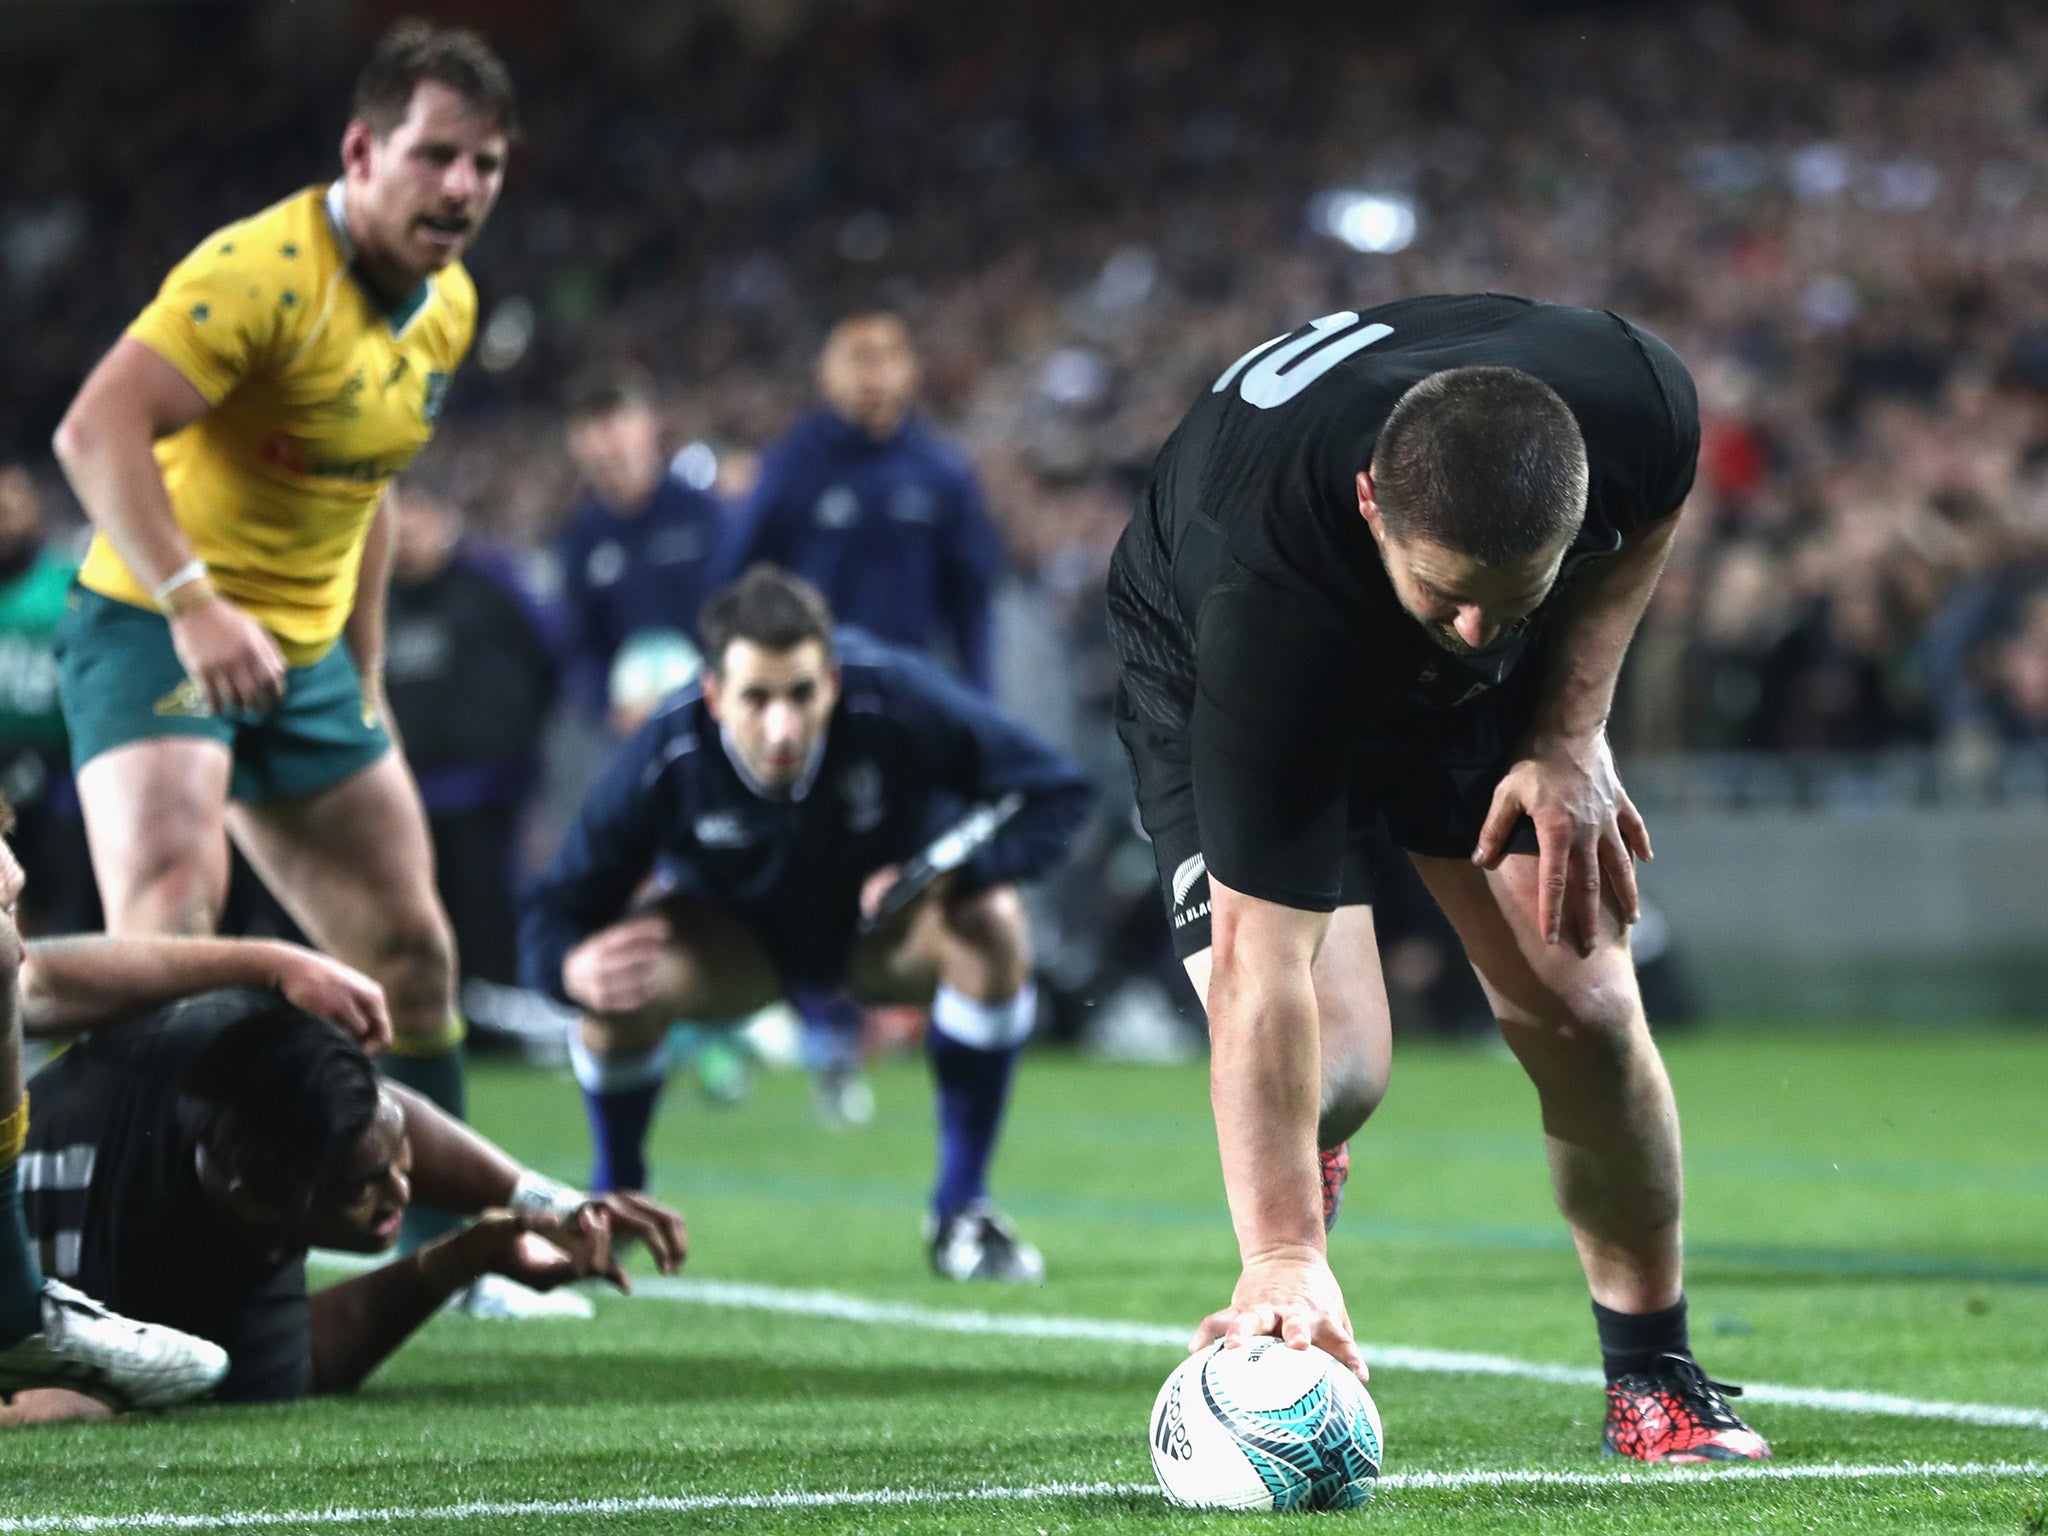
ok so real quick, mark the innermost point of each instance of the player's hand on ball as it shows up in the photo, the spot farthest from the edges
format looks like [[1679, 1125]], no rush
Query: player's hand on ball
[[1292, 1297], [335, 992], [616, 969], [1587, 829], [234, 661], [654, 1224]]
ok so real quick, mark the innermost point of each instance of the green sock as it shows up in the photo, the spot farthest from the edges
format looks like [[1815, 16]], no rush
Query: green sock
[[21, 1277], [440, 1080]]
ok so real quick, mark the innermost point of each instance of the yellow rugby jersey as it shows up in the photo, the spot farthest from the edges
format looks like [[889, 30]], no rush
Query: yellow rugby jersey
[[320, 395]]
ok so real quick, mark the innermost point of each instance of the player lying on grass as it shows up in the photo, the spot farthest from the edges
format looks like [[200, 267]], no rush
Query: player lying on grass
[[773, 805], [185, 1156], [1385, 572], [50, 1333]]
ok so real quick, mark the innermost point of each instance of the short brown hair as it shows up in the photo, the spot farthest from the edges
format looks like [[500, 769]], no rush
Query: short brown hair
[[1487, 462], [774, 609], [603, 388], [413, 52]]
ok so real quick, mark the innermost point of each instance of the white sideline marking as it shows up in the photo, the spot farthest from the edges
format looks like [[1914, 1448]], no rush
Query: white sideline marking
[[872, 1497], [860, 1309]]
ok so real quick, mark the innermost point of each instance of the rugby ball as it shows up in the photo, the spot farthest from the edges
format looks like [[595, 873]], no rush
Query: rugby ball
[[1265, 1427]]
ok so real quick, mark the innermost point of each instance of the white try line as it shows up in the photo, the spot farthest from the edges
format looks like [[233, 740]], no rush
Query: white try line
[[870, 1498], [860, 1309]]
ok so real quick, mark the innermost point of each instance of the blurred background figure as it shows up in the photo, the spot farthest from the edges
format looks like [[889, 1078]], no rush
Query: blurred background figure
[[638, 543], [35, 768], [471, 674], [884, 517], [2020, 677], [875, 509]]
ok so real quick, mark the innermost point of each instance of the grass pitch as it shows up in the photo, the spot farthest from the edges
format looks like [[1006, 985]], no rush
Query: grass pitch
[[1867, 1212]]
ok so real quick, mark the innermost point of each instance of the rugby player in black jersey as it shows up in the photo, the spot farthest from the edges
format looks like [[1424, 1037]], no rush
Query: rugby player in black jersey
[[1385, 572]]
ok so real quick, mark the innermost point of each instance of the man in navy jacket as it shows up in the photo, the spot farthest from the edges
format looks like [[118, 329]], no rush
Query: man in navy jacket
[[637, 549], [773, 804], [875, 509]]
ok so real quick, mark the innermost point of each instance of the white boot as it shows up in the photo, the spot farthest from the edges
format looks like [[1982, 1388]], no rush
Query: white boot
[[500, 1299], [123, 1363]]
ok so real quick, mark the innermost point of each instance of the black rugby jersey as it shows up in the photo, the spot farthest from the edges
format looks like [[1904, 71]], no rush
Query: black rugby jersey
[[113, 1201], [1247, 597]]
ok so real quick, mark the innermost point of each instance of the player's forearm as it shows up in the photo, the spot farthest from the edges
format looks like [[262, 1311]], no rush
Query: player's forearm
[[1592, 633], [71, 985], [109, 458], [359, 1324], [1265, 1088], [453, 1168], [51, 1405]]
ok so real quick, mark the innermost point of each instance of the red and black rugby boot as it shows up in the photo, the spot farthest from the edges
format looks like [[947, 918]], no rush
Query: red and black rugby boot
[[1336, 1169], [1674, 1413]]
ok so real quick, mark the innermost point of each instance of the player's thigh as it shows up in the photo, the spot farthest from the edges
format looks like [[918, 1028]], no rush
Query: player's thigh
[[352, 863], [980, 944], [715, 969], [1529, 981], [154, 819], [902, 962]]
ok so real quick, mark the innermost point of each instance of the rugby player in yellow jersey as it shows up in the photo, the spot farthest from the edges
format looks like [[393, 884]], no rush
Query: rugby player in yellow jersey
[[221, 661]]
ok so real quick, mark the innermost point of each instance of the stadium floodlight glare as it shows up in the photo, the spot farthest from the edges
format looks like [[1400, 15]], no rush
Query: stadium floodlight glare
[[1377, 222]]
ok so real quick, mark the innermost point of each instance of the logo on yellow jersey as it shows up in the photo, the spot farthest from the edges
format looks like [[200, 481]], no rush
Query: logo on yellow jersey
[[437, 396], [349, 401]]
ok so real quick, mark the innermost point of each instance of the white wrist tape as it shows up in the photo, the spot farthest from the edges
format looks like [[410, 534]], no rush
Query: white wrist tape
[[183, 576], [536, 1194]]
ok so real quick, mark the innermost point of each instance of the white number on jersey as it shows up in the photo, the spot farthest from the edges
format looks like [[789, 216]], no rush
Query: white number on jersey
[[1284, 372]]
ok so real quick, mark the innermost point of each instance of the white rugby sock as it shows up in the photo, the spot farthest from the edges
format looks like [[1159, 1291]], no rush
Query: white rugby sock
[[986, 1026], [617, 1074]]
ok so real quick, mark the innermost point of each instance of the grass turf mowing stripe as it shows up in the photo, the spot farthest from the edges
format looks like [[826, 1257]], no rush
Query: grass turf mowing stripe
[[700, 1503], [859, 1309], [1369, 1227]]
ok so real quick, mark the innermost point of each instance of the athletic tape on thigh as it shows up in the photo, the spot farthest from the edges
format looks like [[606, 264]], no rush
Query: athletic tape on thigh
[[450, 1039]]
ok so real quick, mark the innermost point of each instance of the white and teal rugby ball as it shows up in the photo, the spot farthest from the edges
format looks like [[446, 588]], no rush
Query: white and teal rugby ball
[[1265, 1427]]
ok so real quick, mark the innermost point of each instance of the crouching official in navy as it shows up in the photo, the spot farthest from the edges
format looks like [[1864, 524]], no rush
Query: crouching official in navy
[[776, 804]]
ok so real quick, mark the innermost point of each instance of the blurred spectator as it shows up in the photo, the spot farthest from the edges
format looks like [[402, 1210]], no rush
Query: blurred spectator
[[1837, 213], [875, 509], [640, 541], [35, 769], [2020, 679], [471, 676]]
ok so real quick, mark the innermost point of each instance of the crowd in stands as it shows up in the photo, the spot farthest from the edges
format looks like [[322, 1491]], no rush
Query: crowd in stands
[[1837, 212]]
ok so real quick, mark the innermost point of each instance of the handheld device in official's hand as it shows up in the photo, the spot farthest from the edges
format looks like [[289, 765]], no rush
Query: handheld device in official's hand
[[951, 849]]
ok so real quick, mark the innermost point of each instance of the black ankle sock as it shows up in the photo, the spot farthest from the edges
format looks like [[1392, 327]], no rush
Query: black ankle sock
[[1632, 1341]]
